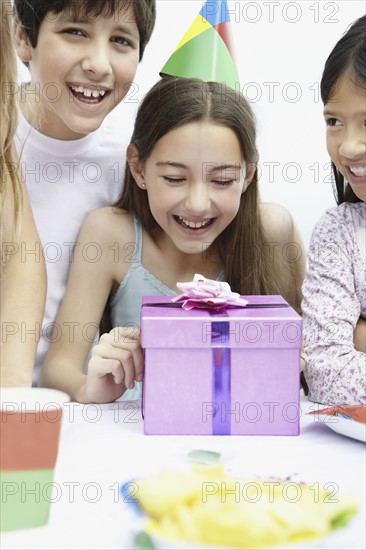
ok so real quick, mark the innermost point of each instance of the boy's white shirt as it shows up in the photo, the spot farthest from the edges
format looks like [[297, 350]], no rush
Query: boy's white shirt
[[65, 181]]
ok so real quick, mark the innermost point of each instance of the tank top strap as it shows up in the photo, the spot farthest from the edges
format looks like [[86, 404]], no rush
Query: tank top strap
[[136, 258]]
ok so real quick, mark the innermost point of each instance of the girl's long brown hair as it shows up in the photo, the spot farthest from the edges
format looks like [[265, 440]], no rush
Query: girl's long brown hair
[[176, 101], [10, 183]]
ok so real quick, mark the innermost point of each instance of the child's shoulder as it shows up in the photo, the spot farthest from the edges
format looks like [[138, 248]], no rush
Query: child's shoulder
[[345, 216], [347, 210], [276, 221], [108, 224]]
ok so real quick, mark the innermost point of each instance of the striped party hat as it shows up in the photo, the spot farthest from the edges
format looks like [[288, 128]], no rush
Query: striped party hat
[[206, 50]]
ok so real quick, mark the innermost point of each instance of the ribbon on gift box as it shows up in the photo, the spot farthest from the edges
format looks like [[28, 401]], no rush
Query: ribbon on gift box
[[221, 375], [215, 297], [207, 294]]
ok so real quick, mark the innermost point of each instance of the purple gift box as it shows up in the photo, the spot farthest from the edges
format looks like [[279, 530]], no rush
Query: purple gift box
[[234, 371]]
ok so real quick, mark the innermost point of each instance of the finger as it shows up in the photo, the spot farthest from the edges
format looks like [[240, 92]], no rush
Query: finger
[[128, 367], [122, 335], [108, 351], [132, 364], [129, 353], [117, 339], [99, 367], [130, 358], [118, 373], [138, 359]]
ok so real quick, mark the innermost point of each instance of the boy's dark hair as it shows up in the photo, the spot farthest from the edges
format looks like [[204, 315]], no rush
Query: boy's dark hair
[[348, 56], [31, 13]]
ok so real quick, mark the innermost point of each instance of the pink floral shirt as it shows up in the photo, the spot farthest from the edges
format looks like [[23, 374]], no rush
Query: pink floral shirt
[[334, 299]]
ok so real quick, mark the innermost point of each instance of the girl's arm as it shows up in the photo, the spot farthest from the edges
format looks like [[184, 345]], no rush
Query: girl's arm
[[117, 360], [286, 251], [22, 296], [335, 370], [287, 255]]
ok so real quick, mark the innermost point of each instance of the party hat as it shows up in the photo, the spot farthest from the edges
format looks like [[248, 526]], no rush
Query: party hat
[[206, 50]]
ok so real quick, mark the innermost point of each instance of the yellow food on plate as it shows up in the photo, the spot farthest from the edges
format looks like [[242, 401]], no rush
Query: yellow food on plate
[[210, 507]]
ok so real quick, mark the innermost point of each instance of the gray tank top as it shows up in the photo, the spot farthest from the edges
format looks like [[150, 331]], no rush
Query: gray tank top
[[125, 304]]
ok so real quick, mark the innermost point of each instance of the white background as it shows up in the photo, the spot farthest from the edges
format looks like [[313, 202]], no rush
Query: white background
[[281, 48]]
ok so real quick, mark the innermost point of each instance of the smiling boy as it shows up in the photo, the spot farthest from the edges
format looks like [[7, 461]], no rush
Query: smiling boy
[[82, 59]]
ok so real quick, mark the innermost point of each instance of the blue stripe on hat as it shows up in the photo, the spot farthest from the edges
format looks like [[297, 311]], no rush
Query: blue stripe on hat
[[216, 12]]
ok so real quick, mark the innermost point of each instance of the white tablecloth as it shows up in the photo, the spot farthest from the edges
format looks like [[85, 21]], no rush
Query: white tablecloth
[[103, 446]]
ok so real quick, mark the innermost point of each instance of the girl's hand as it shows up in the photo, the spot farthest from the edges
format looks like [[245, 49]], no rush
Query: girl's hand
[[116, 363]]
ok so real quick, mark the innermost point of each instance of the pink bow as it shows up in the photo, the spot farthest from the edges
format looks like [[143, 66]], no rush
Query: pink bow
[[207, 294]]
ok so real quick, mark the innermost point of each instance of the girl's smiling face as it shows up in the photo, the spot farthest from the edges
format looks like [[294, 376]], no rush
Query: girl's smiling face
[[345, 116], [194, 177]]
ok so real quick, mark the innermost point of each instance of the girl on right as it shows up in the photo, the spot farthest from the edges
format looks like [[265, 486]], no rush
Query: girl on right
[[334, 290]]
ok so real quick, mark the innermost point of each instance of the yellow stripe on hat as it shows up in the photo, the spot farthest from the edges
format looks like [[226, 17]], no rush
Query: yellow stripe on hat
[[199, 25]]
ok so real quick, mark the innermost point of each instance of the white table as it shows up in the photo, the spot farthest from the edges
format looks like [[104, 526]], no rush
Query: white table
[[103, 446]]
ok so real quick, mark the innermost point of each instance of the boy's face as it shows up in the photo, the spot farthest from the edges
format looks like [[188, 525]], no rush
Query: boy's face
[[81, 69]]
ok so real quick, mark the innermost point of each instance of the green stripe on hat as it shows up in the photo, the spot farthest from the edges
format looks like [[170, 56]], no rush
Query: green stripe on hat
[[206, 57]]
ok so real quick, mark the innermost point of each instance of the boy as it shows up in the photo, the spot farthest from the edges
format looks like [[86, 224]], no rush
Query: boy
[[82, 58]]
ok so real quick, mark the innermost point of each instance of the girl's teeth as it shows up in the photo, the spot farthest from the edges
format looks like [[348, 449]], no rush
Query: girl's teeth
[[358, 170], [194, 225]]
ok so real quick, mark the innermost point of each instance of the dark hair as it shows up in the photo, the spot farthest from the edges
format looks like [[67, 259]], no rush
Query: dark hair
[[176, 101], [348, 56], [31, 13]]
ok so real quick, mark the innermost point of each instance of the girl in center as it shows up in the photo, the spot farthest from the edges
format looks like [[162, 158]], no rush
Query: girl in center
[[190, 205]]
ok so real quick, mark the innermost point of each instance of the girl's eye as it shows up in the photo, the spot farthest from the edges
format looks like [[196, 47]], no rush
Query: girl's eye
[[74, 32], [173, 180], [333, 122], [223, 183]]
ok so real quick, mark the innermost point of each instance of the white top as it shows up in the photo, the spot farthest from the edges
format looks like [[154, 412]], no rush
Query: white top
[[334, 300], [65, 181]]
